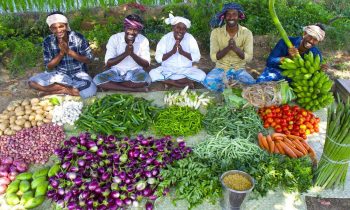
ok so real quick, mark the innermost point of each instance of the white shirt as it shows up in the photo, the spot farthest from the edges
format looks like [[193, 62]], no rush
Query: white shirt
[[188, 44], [116, 46]]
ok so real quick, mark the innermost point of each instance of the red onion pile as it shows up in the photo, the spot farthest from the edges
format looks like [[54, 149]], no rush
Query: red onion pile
[[9, 169], [33, 145]]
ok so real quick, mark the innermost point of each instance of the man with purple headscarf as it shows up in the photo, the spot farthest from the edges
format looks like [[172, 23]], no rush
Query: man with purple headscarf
[[231, 46], [126, 57]]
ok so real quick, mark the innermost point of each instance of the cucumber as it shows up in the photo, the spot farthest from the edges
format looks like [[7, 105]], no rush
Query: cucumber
[[36, 182], [12, 199], [24, 186], [26, 196], [54, 170], [41, 172], [34, 202], [41, 189], [13, 187], [24, 176]]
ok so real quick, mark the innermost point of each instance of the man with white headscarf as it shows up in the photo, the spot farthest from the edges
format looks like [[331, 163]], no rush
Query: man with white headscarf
[[312, 35], [66, 54], [176, 51]]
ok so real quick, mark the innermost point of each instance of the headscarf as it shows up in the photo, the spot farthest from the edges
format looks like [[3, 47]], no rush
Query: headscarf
[[177, 19], [132, 24], [218, 19], [315, 31], [57, 18]]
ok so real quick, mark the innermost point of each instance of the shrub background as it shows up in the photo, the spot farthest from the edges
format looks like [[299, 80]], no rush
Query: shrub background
[[21, 34]]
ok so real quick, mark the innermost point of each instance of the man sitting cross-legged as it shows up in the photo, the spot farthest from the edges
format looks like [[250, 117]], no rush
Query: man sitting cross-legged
[[176, 51], [126, 57], [66, 53]]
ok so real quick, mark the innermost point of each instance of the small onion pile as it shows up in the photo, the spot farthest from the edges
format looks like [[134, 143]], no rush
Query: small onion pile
[[104, 172], [25, 114], [33, 145], [9, 169], [67, 112]]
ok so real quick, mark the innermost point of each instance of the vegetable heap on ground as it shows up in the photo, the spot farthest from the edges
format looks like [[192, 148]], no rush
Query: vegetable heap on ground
[[111, 173], [293, 146], [178, 121], [29, 189], [191, 99], [33, 145], [311, 85], [334, 163], [67, 112], [117, 114], [196, 178], [244, 123], [290, 120], [25, 114], [9, 169], [268, 94]]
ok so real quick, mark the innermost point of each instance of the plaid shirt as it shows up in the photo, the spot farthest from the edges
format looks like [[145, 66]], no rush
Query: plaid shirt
[[67, 65]]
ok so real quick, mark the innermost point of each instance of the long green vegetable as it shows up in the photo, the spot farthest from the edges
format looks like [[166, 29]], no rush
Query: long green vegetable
[[334, 163], [224, 148], [278, 24], [117, 114]]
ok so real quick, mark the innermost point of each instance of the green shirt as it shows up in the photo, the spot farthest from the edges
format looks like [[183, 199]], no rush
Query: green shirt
[[219, 39]]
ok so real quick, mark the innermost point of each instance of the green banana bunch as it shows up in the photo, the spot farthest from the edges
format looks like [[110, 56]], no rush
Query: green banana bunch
[[310, 85]]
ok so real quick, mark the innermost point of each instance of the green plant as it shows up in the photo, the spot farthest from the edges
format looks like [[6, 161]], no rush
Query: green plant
[[20, 55], [101, 33]]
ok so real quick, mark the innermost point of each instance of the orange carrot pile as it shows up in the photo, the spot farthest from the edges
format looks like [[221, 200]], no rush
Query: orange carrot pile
[[279, 143]]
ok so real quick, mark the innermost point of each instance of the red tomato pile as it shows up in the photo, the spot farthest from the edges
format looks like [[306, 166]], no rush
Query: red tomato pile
[[290, 120]]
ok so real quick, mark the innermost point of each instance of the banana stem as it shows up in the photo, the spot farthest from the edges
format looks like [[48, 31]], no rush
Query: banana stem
[[278, 25]]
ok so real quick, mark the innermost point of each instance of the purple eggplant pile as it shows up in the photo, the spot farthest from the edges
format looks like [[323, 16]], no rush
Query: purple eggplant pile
[[106, 172]]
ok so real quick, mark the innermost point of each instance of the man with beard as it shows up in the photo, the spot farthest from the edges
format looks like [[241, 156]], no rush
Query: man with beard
[[176, 51], [231, 46], [126, 57], [66, 53], [313, 34]]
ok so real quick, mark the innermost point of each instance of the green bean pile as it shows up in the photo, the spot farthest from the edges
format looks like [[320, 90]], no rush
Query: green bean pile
[[117, 114], [178, 121], [225, 149], [244, 123]]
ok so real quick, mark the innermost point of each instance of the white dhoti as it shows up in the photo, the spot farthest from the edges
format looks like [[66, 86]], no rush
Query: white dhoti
[[175, 73]]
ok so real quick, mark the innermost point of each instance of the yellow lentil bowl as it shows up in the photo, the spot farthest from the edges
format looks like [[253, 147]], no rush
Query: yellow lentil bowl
[[237, 182]]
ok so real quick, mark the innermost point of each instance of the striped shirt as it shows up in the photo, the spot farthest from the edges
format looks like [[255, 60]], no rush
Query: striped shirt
[[67, 65]]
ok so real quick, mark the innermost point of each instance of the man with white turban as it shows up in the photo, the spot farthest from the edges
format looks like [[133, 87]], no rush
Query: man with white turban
[[312, 35], [176, 51], [66, 53], [127, 56]]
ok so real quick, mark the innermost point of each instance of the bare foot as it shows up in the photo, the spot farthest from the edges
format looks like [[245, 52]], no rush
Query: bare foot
[[191, 85], [166, 87]]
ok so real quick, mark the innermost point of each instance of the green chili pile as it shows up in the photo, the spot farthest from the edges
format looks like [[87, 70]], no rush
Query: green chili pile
[[178, 121], [117, 114], [243, 123]]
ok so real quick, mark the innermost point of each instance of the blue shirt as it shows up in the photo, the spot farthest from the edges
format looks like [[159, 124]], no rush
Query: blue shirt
[[281, 50], [68, 65]]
